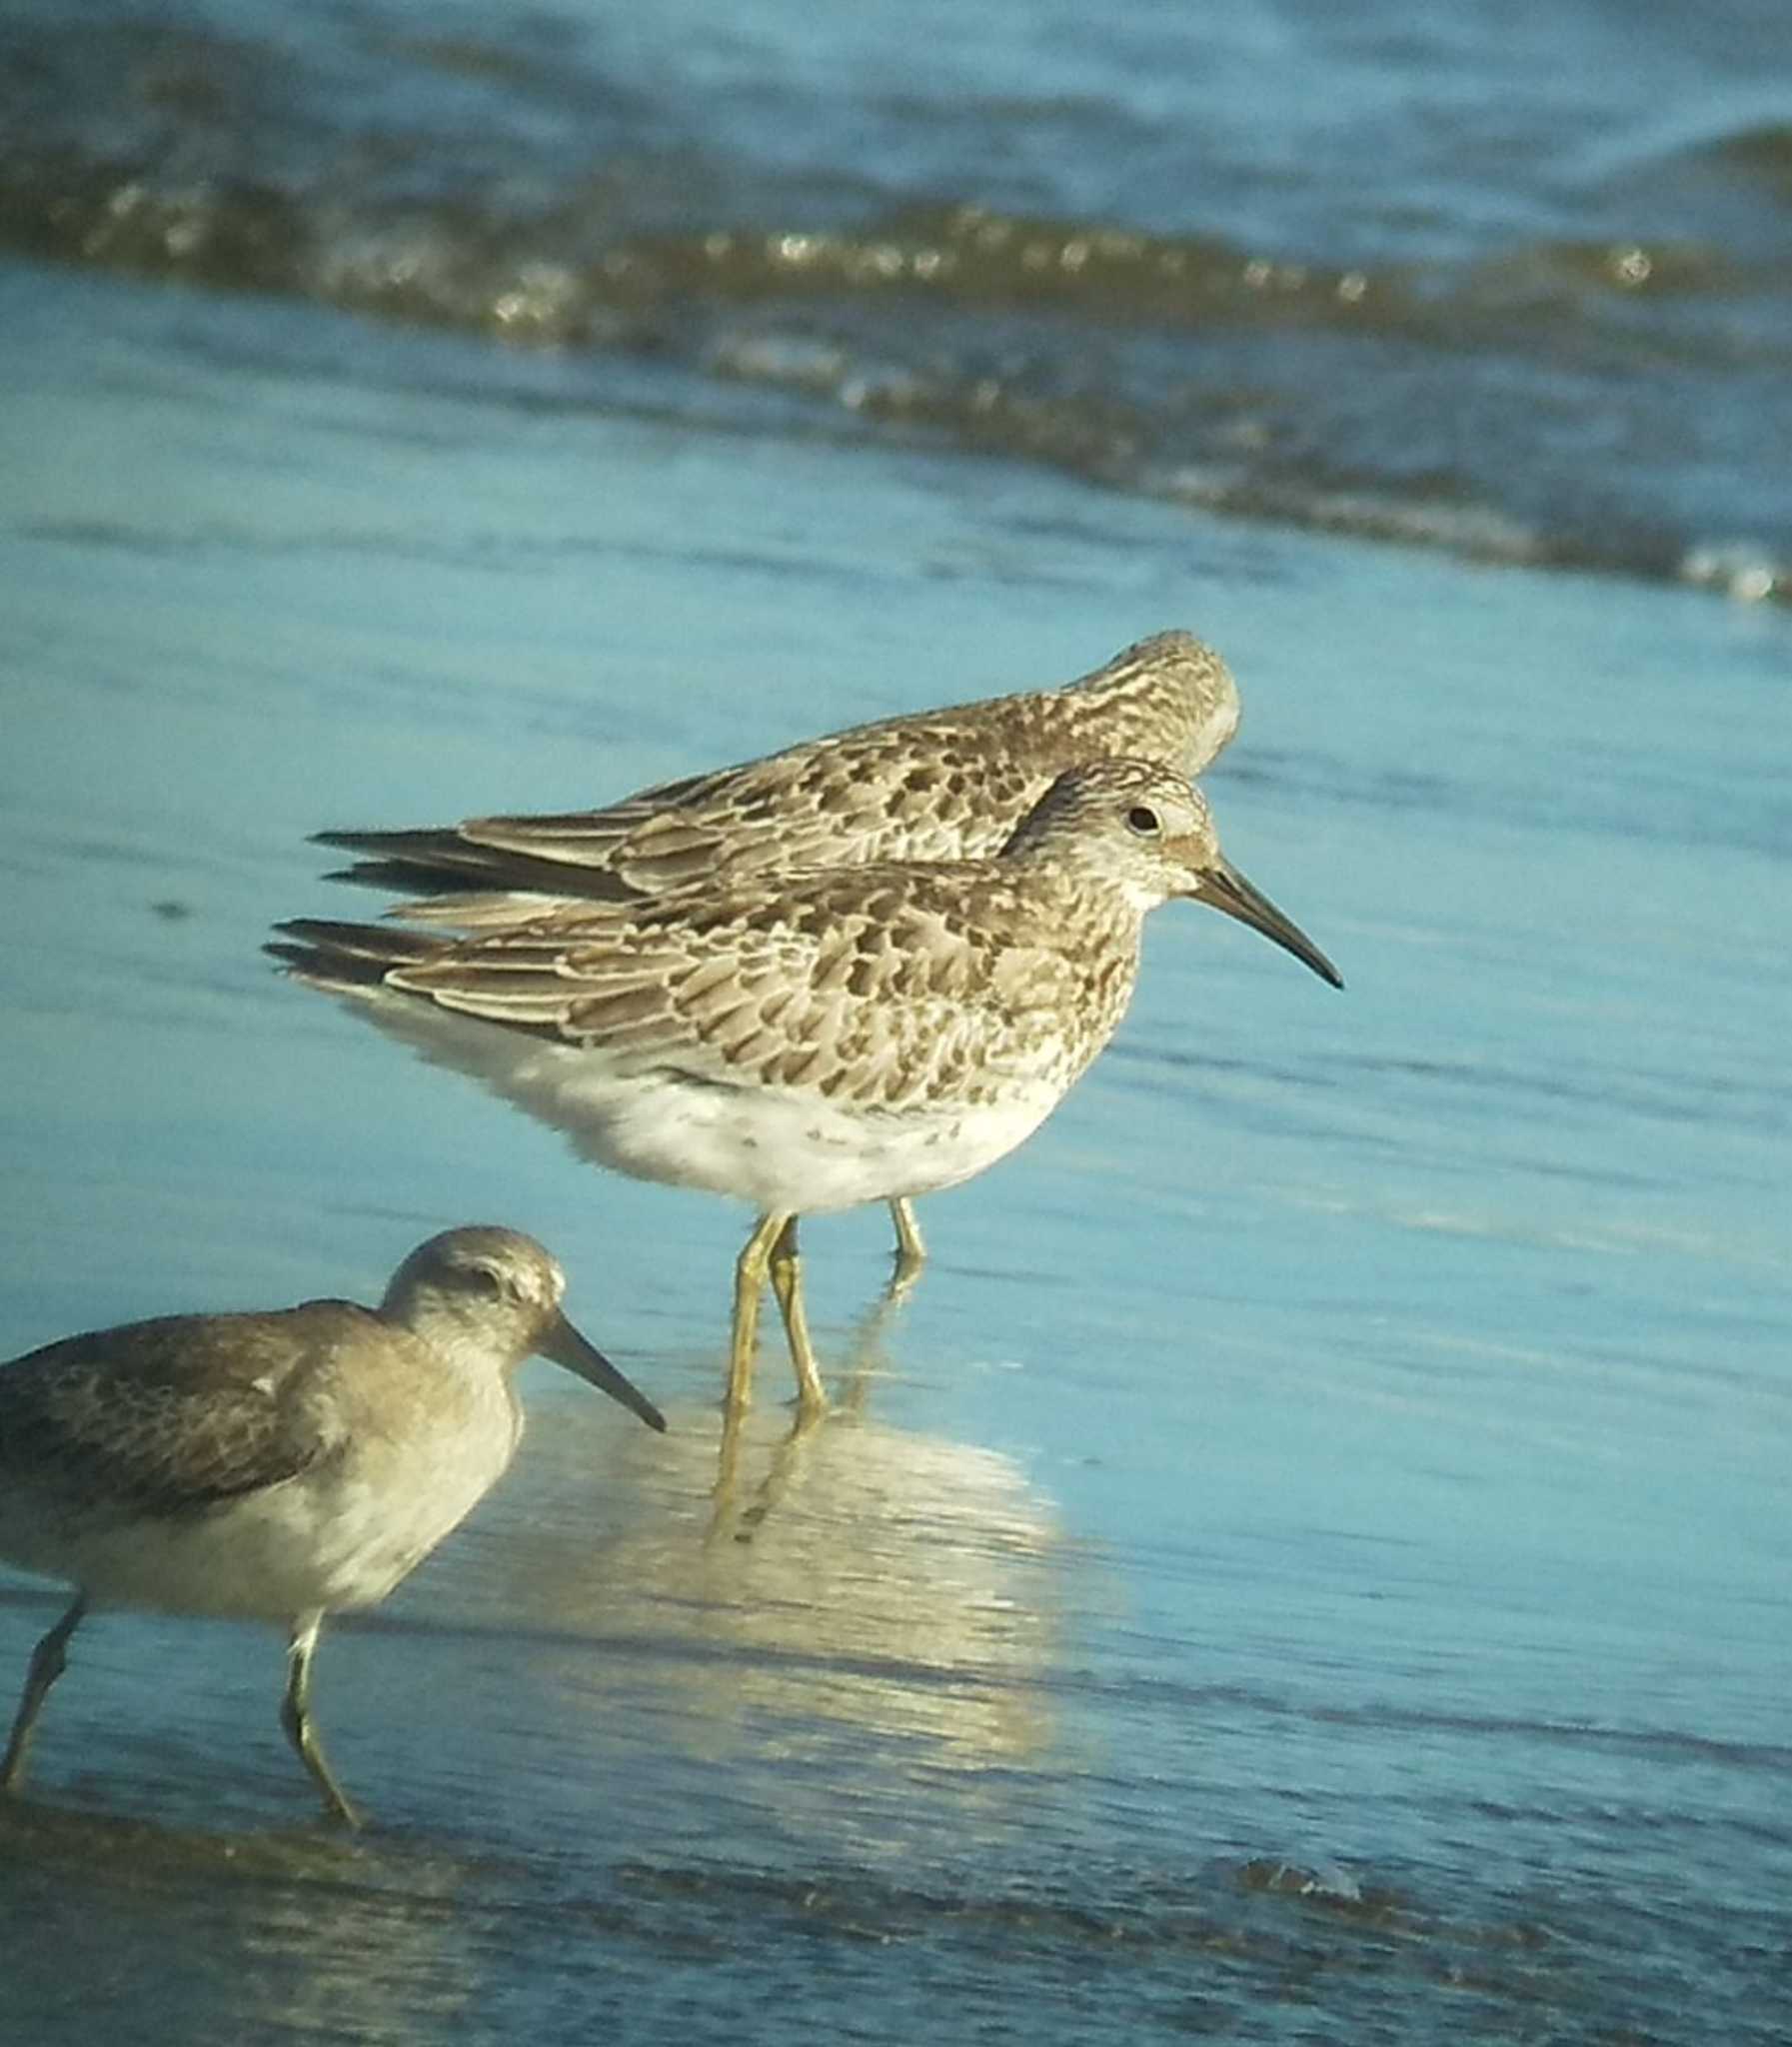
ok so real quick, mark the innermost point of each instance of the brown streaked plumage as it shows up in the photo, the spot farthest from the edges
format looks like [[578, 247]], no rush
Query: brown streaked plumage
[[950, 783], [807, 1041], [276, 1466]]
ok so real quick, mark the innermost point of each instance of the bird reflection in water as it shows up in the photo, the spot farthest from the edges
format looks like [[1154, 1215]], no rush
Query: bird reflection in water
[[739, 1516], [837, 1568]]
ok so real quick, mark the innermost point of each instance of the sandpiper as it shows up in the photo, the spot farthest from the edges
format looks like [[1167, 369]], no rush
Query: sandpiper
[[276, 1466], [936, 784], [807, 1041]]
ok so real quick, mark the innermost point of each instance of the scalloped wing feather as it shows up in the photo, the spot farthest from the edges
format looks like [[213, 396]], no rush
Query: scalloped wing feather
[[178, 1413], [817, 989]]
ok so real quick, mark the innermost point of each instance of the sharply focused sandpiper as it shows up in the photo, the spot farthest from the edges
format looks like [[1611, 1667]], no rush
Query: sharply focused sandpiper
[[807, 1041], [936, 784], [276, 1466]]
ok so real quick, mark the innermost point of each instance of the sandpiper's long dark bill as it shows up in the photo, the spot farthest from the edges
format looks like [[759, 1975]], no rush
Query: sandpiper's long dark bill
[[1222, 887], [276, 1466], [811, 1041]]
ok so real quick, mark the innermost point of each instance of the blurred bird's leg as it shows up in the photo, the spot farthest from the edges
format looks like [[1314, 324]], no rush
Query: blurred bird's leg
[[786, 1283], [749, 1284], [295, 1717], [912, 1248], [48, 1661]]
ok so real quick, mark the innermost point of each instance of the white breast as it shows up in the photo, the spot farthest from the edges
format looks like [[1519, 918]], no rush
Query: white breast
[[341, 1534], [777, 1148]]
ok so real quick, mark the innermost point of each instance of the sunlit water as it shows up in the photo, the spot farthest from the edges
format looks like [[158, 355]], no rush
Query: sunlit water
[[1307, 1562]]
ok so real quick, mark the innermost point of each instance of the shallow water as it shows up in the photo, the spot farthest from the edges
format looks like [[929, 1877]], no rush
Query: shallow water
[[1308, 1561]]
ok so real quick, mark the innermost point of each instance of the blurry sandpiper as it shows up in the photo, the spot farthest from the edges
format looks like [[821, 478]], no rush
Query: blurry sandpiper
[[936, 784], [276, 1466], [807, 1041]]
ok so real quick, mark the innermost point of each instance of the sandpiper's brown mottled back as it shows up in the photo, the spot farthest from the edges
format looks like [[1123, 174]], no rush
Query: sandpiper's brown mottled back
[[811, 1040], [276, 1466], [950, 784]]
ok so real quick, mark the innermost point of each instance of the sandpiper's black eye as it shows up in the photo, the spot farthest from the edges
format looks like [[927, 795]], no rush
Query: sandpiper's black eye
[[1144, 821], [481, 1279]]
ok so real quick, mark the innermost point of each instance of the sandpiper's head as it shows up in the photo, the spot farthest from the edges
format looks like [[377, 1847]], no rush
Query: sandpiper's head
[[1169, 695], [1143, 829], [496, 1294]]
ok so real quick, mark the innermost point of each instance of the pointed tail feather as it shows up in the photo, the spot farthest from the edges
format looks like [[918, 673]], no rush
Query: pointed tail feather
[[347, 955], [444, 862]]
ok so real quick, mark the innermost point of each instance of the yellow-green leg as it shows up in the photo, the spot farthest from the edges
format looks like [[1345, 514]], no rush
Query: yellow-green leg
[[727, 1474], [295, 1717], [912, 1248], [48, 1661], [749, 1284], [786, 1283]]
